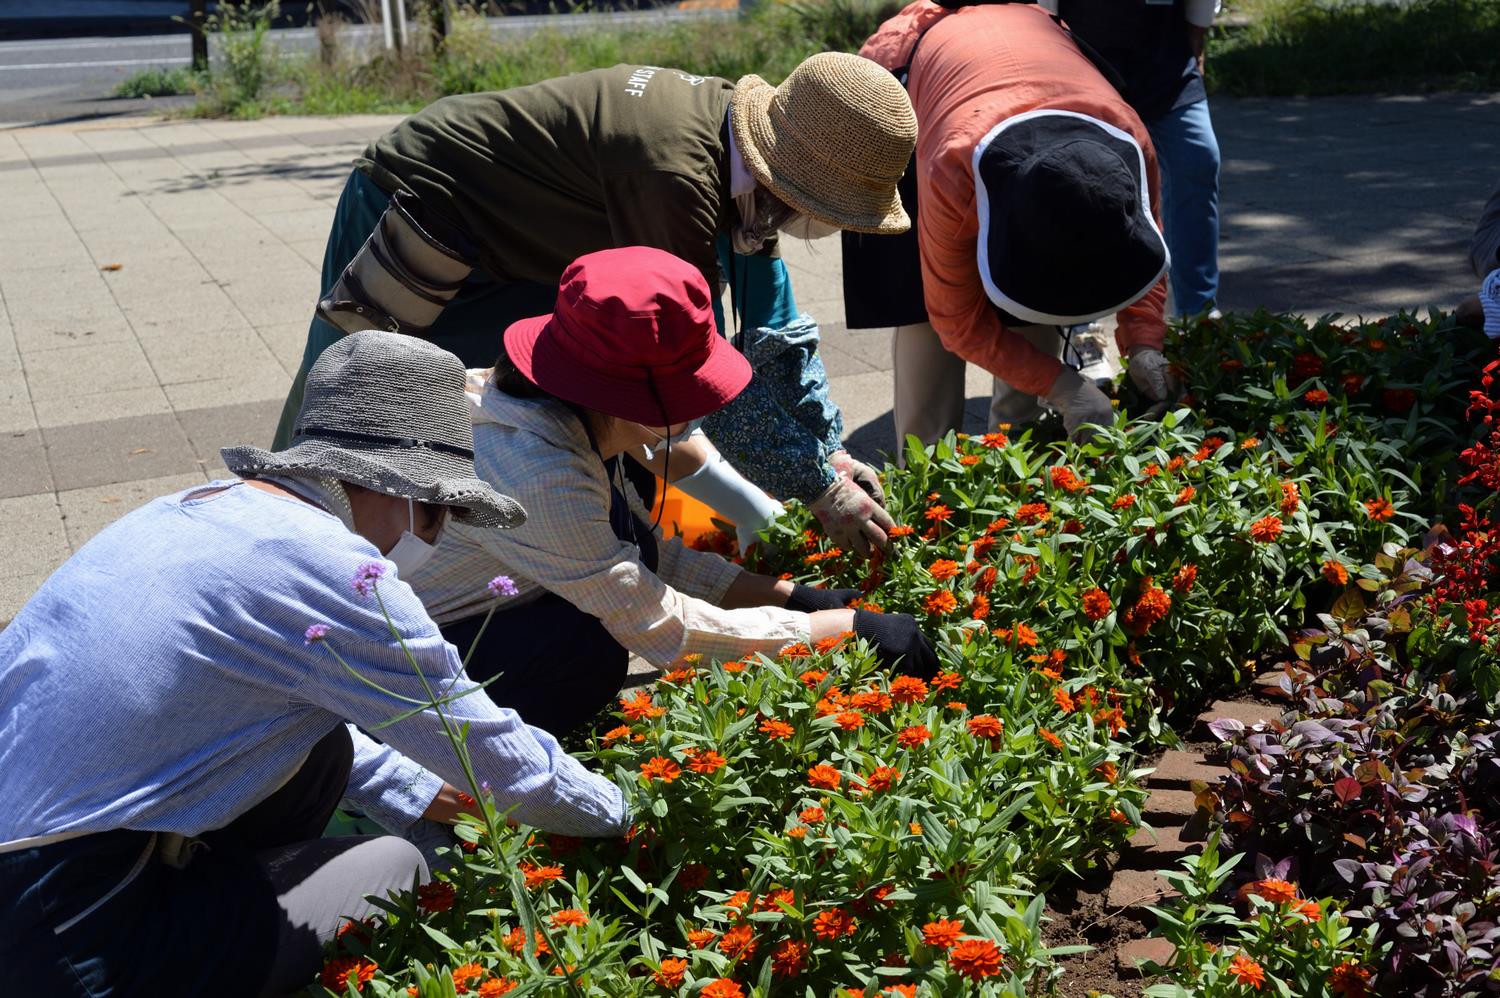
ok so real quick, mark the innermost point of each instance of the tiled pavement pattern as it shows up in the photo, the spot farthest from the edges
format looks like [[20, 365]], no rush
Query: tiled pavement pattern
[[156, 279]]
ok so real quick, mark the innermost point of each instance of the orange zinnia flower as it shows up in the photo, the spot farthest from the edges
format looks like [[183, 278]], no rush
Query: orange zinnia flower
[[1064, 478], [969, 460], [1063, 700], [882, 779], [979, 607], [938, 514], [1185, 496], [946, 681], [1266, 529], [1175, 465], [908, 689], [705, 761], [901, 530], [1315, 396], [833, 924], [464, 974], [1309, 910], [824, 777], [994, 440], [1247, 971], [342, 971], [943, 933], [568, 916], [671, 972], [774, 729], [1350, 980], [913, 736], [986, 580], [617, 733], [680, 676], [871, 701], [738, 943], [722, 988], [789, 957], [640, 707], [1185, 577], [660, 768], [812, 815], [1123, 502], [986, 726], [1291, 498], [1379, 510], [1335, 573], [850, 720], [1096, 604], [496, 986], [1050, 738], [812, 677], [700, 938], [536, 876], [1025, 636], [1109, 771], [943, 569], [1275, 891], [940, 603], [975, 958], [1033, 512]]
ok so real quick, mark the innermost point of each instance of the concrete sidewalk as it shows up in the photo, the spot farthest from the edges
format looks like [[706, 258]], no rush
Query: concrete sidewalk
[[156, 280]]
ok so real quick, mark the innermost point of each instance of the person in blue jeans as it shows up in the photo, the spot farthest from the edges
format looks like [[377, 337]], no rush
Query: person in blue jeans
[[1156, 49]]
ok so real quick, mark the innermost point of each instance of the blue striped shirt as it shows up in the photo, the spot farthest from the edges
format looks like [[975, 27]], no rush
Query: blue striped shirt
[[159, 680]]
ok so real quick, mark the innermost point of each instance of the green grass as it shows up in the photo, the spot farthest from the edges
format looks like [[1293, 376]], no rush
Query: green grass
[[1315, 47], [157, 82], [1288, 47]]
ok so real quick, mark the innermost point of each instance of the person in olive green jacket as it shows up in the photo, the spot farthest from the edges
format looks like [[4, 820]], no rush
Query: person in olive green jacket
[[462, 218]]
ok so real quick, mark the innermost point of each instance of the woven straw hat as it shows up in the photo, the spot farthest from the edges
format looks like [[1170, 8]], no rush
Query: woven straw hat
[[831, 141], [387, 412]]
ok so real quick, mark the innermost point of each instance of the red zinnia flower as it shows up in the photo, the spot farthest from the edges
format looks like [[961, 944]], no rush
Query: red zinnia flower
[[975, 958], [1351, 383], [1306, 365], [1315, 396], [1033, 512], [1379, 510], [789, 957], [738, 943], [1399, 400], [1185, 577], [1350, 980], [342, 971], [437, 896], [986, 581], [979, 607]]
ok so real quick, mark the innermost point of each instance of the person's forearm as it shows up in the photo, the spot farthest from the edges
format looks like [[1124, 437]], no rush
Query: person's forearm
[[751, 589], [831, 623]]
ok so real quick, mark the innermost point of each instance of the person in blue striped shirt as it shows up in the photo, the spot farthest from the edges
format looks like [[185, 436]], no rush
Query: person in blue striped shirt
[[177, 724]]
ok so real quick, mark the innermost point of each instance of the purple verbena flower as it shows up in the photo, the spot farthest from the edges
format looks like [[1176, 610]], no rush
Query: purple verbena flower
[[501, 585], [366, 575], [315, 632]]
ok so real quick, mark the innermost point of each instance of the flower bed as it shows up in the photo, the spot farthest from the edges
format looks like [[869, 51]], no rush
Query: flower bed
[[810, 824]]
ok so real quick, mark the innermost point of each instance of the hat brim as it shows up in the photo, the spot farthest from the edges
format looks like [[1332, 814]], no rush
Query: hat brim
[[1036, 287], [420, 475], [869, 207], [662, 400]]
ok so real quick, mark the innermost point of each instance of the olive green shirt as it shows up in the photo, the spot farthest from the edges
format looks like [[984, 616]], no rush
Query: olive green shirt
[[538, 176]]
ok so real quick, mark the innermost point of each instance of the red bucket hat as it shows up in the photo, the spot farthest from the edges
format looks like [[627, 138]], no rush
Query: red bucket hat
[[633, 336]]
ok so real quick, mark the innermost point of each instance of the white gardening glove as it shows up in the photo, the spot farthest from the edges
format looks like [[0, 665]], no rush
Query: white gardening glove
[[732, 496], [864, 476], [851, 517], [1081, 403], [1152, 374]]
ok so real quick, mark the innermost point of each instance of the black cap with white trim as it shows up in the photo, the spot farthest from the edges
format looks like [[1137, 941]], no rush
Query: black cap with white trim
[[1066, 233]]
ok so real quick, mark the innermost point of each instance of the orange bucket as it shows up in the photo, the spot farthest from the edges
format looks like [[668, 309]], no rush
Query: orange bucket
[[683, 516]]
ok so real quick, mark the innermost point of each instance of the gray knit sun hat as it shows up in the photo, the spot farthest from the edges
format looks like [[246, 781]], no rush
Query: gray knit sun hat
[[387, 412]]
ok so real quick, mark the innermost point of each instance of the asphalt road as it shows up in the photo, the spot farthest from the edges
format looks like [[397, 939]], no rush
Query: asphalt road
[[69, 78]]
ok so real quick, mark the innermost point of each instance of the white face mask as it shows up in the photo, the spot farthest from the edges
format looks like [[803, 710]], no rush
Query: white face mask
[[807, 227], [411, 552]]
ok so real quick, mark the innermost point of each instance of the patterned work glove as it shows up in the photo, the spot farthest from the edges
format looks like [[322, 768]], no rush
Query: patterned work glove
[[809, 599], [899, 643], [851, 518], [1083, 406], [864, 476], [1153, 375]]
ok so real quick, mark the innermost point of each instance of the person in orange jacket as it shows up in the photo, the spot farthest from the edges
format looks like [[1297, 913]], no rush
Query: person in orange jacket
[[1036, 208]]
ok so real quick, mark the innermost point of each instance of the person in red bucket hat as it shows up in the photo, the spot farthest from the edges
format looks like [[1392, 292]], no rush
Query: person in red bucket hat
[[629, 359]]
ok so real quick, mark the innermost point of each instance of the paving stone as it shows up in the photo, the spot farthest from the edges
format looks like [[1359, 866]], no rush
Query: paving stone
[[1129, 956], [246, 423], [15, 591], [1165, 806], [1135, 889], [120, 450], [24, 469], [1178, 769], [1154, 848], [88, 370], [66, 410], [1246, 712], [16, 417], [85, 512], [31, 535]]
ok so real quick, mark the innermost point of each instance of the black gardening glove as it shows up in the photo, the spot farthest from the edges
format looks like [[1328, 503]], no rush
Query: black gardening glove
[[899, 644], [806, 599]]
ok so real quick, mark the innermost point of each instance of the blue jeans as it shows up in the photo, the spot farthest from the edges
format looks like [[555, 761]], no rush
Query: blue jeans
[[1188, 154]]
